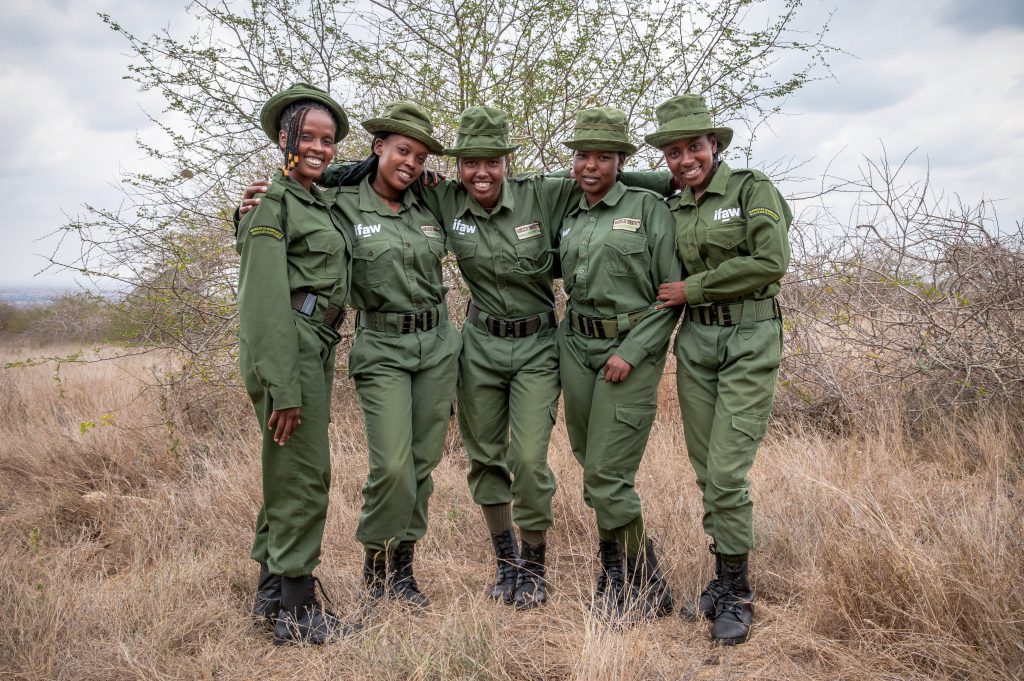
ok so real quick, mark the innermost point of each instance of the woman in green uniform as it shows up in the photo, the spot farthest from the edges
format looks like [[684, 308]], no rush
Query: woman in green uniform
[[293, 282], [405, 357], [616, 251], [732, 234]]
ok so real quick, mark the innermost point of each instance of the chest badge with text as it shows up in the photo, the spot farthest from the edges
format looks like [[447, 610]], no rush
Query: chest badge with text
[[528, 231], [626, 224], [432, 231]]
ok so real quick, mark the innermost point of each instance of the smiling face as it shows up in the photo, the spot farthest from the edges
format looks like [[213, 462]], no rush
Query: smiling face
[[596, 172], [692, 161], [482, 178], [401, 163], [315, 146]]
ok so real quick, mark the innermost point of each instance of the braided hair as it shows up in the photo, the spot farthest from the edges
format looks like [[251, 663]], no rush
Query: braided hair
[[292, 119]]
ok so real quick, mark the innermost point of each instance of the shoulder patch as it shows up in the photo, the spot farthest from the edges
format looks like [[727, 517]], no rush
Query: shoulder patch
[[626, 224], [763, 211], [262, 230]]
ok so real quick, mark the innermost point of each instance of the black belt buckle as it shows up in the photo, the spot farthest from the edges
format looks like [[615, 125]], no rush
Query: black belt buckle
[[519, 327], [408, 323], [725, 315]]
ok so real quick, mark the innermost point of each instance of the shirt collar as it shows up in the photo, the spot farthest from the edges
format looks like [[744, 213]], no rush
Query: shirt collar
[[610, 199], [506, 201], [718, 185], [370, 202], [292, 185]]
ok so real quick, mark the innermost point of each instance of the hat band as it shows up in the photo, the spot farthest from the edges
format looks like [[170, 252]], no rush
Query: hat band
[[483, 131], [601, 126]]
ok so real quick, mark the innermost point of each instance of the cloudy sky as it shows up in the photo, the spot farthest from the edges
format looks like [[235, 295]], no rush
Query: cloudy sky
[[944, 77]]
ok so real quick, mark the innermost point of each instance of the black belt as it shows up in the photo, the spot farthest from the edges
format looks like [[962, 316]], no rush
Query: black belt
[[731, 314], [510, 328], [402, 322], [304, 303], [596, 327]]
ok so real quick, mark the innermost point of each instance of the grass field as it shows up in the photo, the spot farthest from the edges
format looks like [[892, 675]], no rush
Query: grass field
[[125, 523]]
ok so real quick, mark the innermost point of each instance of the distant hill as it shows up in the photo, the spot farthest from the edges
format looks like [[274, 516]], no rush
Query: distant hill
[[29, 296]]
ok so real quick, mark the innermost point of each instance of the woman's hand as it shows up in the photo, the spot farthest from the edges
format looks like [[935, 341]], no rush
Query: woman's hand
[[671, 293], [616, 369], [284, 422], [251, 198]]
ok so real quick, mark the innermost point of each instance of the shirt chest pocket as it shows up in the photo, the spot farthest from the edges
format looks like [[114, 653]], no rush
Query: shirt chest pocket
[[567, 254], [462, 247], [326, 253], [724, 241], [370, 263], [626, 255], [532, 256]]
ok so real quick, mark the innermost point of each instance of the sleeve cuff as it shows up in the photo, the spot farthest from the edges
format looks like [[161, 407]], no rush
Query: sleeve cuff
[[633, 355], [695, 289], [286, 396]]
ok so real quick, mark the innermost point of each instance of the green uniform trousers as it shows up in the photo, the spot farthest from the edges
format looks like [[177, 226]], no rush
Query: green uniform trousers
[[508, 402], [608, 423], [726, 381], [297, 476], [405, 384]]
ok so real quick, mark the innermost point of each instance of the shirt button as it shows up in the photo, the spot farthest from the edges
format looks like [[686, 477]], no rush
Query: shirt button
[[584, 242], [582, 271], [408, 244], [592, 219]]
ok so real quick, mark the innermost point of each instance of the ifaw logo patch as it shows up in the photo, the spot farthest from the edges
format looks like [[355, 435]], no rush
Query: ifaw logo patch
[[460, 227], [626, 224], [726, 214], [528, 231], [364, 231]]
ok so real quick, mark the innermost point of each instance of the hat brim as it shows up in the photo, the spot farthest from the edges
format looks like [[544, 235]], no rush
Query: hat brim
[[663, 137], [375, 125], [270, 114], [600, 145], [481, 152]]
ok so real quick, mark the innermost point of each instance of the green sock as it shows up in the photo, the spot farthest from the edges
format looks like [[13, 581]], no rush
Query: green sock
[[632, 536], [733, 560], [498, 517], [533, 537]]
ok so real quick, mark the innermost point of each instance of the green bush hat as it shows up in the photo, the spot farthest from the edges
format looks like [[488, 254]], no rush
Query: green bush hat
[[601, 129], [270, 114], [686, 116], [406, 118], [482, 133]]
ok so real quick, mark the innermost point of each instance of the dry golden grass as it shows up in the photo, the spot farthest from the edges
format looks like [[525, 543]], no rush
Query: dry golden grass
[[124, 552]]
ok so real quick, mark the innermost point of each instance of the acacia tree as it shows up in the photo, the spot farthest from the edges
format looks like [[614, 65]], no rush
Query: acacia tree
[[541, 60]]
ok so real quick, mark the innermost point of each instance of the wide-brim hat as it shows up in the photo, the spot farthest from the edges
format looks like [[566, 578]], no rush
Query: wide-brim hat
[[482, 133], [601, 129], [406, 118], [686, 116], [270, 114]]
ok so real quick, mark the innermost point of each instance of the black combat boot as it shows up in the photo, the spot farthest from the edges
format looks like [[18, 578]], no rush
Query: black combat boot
[[646, 594], [531, 587], [401, 582], [268, 597], [302, 618], [709, 597], [375, 574], [609, 579], [735, 610], [507, 552]]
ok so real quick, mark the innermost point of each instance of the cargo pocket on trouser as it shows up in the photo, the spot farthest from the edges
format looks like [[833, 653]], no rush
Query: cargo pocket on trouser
[[729, 489], [610, 476]]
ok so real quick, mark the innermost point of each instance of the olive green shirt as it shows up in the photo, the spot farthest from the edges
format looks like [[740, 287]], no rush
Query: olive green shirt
[[396, 257], [734, 240], [508, 256], [289, 242], [615, 254]]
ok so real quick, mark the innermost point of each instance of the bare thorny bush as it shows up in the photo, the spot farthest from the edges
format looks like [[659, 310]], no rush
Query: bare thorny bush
[[920, 299]]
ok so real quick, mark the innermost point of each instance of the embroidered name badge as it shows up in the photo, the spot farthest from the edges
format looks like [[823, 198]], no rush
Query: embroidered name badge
[[432, 231], [764, 211], [266, 231], [726, 214], [528, 231], [364, 231], [626, 224]]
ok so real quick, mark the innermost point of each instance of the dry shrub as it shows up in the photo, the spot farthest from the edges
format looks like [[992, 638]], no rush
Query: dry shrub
[[124, 552]]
